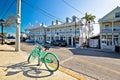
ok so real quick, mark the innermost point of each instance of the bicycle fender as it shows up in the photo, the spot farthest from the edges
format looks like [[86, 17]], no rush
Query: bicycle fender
[[54, 54]]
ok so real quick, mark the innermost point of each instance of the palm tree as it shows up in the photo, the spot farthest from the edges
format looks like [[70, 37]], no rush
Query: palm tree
[[88, 20], [10, 21]]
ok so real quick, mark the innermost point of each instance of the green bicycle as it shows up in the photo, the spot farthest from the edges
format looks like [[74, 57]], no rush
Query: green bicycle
[[50, 59]]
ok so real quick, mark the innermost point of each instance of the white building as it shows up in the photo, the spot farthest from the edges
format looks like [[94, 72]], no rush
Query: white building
[[71, 29], [36, 32]]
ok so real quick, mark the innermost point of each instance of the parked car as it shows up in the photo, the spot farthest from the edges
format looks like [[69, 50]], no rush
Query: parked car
[[59, 43], [10, 40], [29, 41]]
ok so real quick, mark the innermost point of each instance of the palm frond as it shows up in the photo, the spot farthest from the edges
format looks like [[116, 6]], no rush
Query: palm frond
[[10, 21]]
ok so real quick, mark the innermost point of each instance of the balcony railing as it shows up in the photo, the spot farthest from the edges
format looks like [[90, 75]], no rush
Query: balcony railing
[[64, 32], [109, 30], [106, 30], [116, 29]]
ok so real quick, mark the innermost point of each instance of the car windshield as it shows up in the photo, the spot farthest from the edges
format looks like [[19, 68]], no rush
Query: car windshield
[[11, 37]]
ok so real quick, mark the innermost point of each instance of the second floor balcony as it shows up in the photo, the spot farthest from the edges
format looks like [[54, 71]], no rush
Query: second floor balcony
[[106, 30], [109, 30], [64, 33]]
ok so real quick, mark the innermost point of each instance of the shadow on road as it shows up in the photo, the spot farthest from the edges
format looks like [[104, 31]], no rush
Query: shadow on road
[[7, 50], [93, 52], [28, 70]]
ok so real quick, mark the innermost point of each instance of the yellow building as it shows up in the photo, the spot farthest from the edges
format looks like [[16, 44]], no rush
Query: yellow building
[[110, 30]]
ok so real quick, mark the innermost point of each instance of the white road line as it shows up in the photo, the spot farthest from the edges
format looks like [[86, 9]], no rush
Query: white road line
[[66, 60], [100, 66]]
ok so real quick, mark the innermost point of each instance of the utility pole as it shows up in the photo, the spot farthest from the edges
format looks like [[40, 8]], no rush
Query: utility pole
[[18, 21], [2, 22]]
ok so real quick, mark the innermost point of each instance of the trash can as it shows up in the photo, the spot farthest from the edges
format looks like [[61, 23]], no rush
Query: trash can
[[117, 49]]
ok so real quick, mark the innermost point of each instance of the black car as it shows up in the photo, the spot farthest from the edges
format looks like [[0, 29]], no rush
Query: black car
[[59, 43]]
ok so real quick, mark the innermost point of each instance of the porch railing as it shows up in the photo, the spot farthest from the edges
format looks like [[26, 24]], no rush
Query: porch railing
[[109, 30]]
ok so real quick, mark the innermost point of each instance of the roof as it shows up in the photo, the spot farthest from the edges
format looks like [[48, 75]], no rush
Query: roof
[[36, 26], [103, 18]]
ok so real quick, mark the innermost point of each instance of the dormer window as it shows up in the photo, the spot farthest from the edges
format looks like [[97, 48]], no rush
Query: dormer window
[[48, 30], [117, 15]]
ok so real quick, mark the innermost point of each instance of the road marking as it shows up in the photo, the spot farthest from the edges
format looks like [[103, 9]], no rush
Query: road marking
[[66, 60], [71, 74], [100, 66]]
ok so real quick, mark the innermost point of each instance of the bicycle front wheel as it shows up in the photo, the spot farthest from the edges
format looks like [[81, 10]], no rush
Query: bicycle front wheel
[[32, 57], [51, 62]]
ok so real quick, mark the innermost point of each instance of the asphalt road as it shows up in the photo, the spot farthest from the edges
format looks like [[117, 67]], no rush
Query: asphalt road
[[94, 63]]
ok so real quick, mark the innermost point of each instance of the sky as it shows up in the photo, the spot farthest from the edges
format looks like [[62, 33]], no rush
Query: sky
[[46, 11]]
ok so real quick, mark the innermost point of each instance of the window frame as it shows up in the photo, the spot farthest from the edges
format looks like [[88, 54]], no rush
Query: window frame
[[117, 15]]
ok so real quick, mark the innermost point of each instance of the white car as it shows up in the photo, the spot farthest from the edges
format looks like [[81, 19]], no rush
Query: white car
[[10, 40]]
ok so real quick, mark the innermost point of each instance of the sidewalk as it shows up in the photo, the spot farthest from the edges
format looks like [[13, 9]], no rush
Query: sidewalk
[[100, 50], [13, 66]]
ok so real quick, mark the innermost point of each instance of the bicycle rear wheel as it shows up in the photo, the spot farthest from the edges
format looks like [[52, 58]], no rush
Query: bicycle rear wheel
[[51, 62], [32, 57]]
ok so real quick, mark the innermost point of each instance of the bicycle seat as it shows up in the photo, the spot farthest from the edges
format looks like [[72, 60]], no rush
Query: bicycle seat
[[47, 47]]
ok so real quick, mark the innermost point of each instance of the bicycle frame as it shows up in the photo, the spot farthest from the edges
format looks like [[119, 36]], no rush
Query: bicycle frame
[[37, 52]]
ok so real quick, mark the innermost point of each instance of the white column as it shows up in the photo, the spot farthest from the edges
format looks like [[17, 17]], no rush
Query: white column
[[18, 21], [119, 39], [71, 40], [113, 47], [101, 35], [67, 40], [106, 40], [54, 37], [59, 36], [101, 41], [50, 34], [50, 38]]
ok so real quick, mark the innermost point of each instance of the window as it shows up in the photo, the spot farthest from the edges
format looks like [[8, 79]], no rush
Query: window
[[48, 38], [107, 26], [109, 40], [48, 30], [117, 14], [78, 29], [70, 30], [103, 36], [115, 39]]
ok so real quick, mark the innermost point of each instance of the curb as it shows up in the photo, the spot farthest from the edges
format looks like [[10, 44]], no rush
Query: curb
[[71, 74]]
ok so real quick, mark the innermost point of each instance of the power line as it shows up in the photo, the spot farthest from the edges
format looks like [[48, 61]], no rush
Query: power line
[[72, 7], [42, 11], [8, 8], [22, 13]]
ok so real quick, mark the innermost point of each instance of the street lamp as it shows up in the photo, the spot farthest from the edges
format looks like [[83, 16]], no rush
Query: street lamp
[[1, 23]]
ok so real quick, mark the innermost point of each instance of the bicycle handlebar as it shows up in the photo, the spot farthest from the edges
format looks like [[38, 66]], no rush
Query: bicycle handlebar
[[41, 45]]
